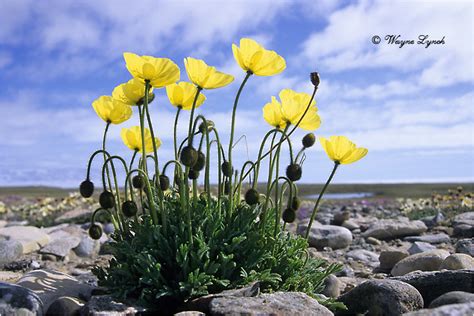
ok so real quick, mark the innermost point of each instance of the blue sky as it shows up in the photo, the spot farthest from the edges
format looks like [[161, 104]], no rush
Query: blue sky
[[412, 107]]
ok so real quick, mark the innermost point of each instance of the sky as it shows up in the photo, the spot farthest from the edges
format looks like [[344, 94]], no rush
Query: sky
[[411, 106]]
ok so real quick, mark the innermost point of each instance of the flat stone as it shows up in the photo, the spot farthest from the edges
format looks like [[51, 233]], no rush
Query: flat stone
[[31, 238], [458, 261], [321, 236], [373, 241], [465, 246], [104, 305], [425, 261], [50, 285], [190, 313], [433, 284], [382, 297], [394, 228], [455, 297], [419, 247], [10, 250], [65, 305], [464, 218], [61, 244], [74, 216], [278, 303], [464, 309], [365, 256], [431, 239], [388, 258], [16, 300], [350, 224]]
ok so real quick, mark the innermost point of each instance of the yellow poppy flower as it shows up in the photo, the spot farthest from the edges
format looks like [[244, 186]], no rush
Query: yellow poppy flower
[[341, 149], [273, 115], [182, 95], [132, 138], [251, 56], [112, 110], [205, 76], [159, 71], [130, 92]]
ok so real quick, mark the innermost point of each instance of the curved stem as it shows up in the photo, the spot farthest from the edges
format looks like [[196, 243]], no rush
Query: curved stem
[[175, 133], [191, 118]]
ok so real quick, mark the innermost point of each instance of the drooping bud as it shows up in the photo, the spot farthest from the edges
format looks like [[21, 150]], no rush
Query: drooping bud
[[295, 203], [315, 80], [252, 197], [193, 174], [210, 126], [95, 231], [227, 169], [294, 172], [289, 215], [86, 188], [200, 162], [138, 182], [188, 156], [164, 182], [129, 208], [106, 200], [308, 140]]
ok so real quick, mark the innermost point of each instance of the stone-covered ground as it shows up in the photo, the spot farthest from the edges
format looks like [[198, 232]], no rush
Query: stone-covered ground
[[396, 260]]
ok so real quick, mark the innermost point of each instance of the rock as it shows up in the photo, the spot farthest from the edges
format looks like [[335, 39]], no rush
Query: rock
[[61, 244], [65, 306], [103, 305], [388, 258], [455, 297], [433, 284], [88, 247], [458, 261], [463, 231], [465, 309], [109, 228], [432, 221], [332, 286], [76, 216], [3, 223], [9, 277], [464, 218], [50, 285], [373, 241], [31, 238], [382, 297], [350, 224], [190, 313], [368, 257], [340, 217], [16, 300], [431, 239], [321, 236], [425, 261], [465, 246], [278, 303], [394, 228], [419, 247], [10, 250]]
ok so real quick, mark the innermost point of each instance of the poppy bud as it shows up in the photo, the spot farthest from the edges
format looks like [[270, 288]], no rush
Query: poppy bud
[[129, 208], [138, 182], [289, 215], [315, 80], [164, 182], [252, 197], [151, 97], [193, 174], [202, 126], [86, 188], [226, 169], [295, 203], [188, 156], [200, 162], [95, 231], [106, 200], [308, 140], [293, 172]]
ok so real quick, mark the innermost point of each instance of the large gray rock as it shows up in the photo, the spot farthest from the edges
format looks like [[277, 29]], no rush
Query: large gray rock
[[464, 218], [61, 243], [458, 261], [88, 247], [433, 284], [464, 309], [32, 238], [465, 246], [425, 261], [431, 239], [455, 297], [382, 297], [279, 303], [16, 300], [464, 225], [394, 228], [419, 247], [10, 250], [388, 258], [321, 236], [50, 285]]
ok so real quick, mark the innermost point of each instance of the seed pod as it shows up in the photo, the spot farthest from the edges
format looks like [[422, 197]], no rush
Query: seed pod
[[193, 174], [289, 215], [252, 197], [106, 200], [294, 172], [226, 169], [129, 208], [95, 231], [164, 182], [188, 156], [138, 182], [308, 140], [200, 162], [315, 80], [295, 203], [86, 188], [202, 126]]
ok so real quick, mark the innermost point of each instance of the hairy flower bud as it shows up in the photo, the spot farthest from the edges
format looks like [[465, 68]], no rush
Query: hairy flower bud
[[315, 80], [193, 174], [289, 215], [252, 197], [308, 140], [226, 169], [106, 200], [138, 182], [129, 208], [294, 172], [95, 231], [164, 182], [295, 203], [188, 156], [210, 126], [200, 162], [86, 188]]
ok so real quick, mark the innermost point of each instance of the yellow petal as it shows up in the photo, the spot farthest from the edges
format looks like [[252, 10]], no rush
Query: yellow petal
[[356, 155]]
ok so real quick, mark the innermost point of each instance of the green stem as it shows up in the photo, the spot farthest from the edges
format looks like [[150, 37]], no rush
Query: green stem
[[313, 214], [175, 139]]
